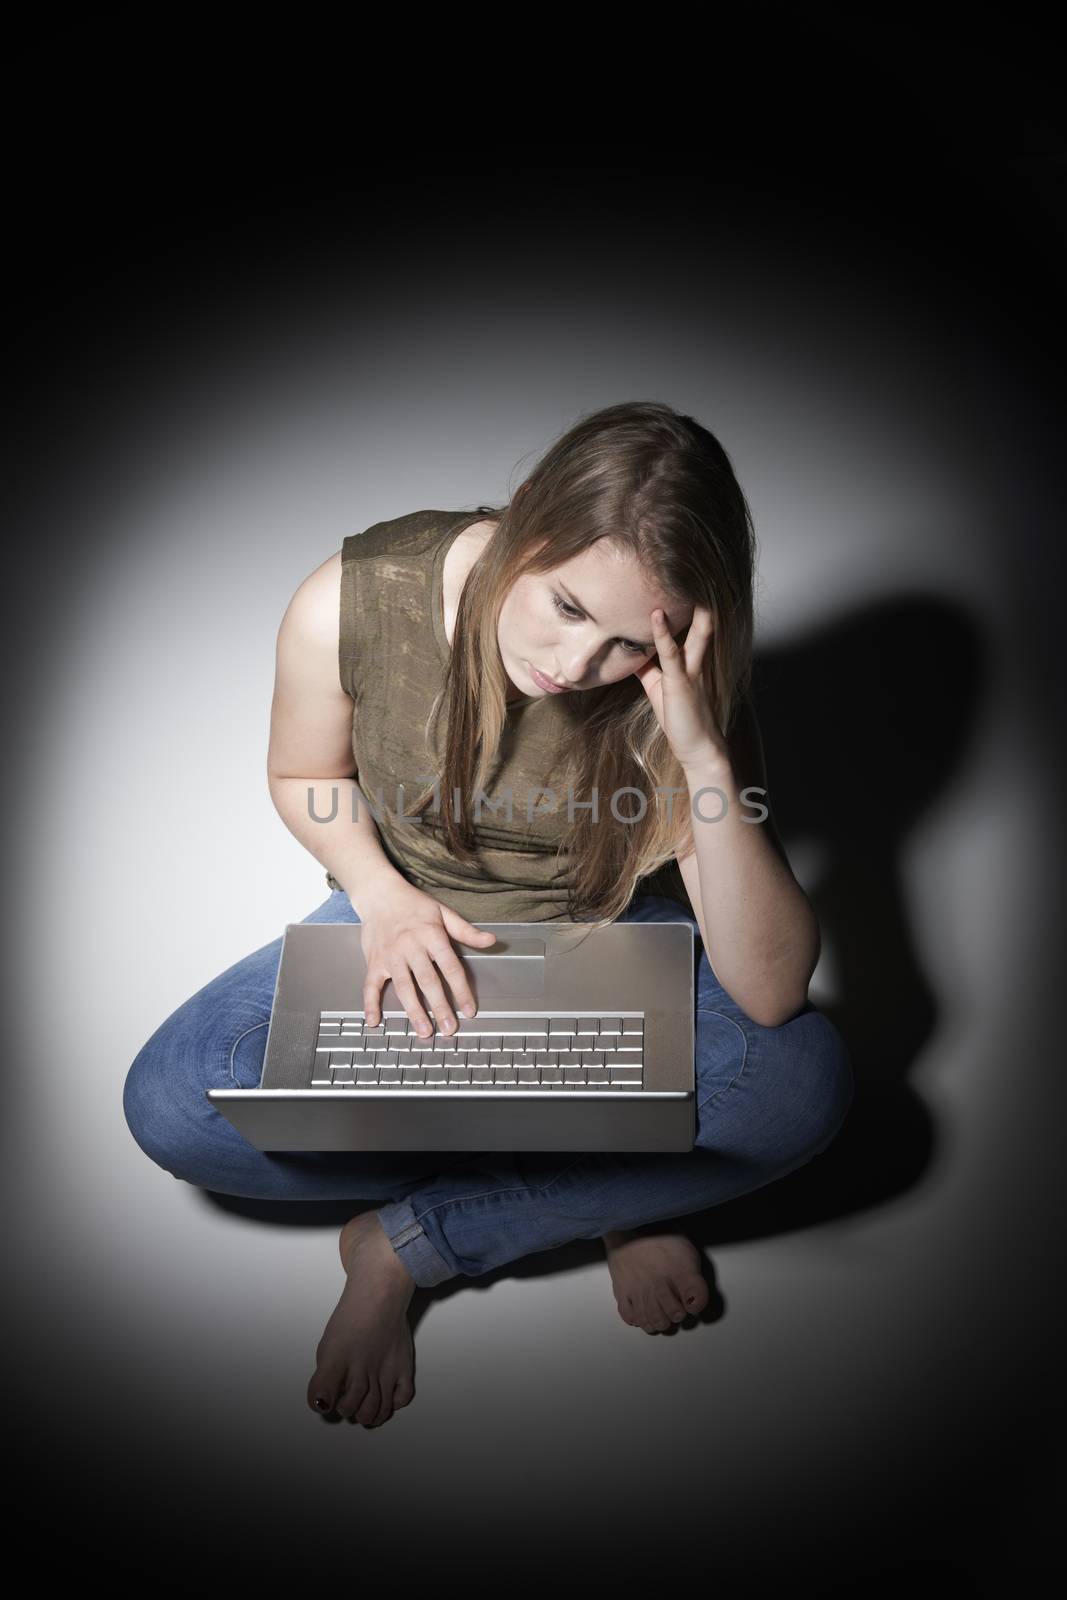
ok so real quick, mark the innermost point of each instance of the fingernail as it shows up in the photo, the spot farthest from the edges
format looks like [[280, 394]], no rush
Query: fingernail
[[323, 1405], [468, 1011]]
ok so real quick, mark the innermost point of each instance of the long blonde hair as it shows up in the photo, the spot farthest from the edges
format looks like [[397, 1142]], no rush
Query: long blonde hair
[[659, 487]]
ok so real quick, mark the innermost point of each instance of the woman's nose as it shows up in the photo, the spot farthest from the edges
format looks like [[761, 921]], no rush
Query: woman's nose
[[575, 664]]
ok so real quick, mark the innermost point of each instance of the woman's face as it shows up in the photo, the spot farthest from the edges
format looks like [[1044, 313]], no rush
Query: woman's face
[[547, 622]]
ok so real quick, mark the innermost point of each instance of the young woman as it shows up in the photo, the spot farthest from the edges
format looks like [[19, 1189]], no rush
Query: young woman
[[591, 638]]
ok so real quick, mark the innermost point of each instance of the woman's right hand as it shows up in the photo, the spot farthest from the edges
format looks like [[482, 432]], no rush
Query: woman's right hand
[[407, 936]]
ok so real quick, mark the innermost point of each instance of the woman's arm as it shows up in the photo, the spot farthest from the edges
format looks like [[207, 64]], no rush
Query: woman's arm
[[759, 929], [311, 743]]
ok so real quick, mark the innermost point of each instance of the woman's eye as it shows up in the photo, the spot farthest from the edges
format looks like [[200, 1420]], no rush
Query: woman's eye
[[569, 611]]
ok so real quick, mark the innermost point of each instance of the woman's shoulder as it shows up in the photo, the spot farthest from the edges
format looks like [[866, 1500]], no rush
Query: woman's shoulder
[[306, 654], [398, 538], [332, 589], [311, 615]]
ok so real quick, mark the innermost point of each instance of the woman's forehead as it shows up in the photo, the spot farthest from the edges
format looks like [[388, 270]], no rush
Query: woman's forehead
[[610, 576]]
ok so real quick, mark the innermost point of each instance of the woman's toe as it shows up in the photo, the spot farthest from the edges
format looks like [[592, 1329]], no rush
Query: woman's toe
[[323, 1387], [669, 1308], [404, 1393], [693, 1293]]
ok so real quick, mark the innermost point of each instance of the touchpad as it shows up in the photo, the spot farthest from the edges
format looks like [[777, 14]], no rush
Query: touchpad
[[511, 972]]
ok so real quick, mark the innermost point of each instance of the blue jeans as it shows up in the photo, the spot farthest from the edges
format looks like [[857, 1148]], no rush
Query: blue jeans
[[768, 1100]]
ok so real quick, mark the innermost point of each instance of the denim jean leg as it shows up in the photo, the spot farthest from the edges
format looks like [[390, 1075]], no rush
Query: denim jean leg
[[413, 1245]]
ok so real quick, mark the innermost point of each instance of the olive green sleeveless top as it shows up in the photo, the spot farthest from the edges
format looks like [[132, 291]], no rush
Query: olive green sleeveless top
[[392, 655]]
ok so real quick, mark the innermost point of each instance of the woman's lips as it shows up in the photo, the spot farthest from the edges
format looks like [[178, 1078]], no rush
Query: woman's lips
[[546, 683]]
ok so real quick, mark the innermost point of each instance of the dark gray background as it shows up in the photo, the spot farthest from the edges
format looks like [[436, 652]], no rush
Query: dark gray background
[[268, 287]]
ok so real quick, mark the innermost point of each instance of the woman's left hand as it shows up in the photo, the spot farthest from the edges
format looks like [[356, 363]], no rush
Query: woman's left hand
[[676, 689]]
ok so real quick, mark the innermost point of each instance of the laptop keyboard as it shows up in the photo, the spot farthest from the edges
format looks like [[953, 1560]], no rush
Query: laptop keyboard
[[494, 1050]]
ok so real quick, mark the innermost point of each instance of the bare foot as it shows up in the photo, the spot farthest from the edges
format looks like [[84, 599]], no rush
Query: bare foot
[[366, 1358], [657, 1278]]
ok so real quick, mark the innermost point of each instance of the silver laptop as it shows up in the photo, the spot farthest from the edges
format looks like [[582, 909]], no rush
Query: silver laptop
[[583, 1040]]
